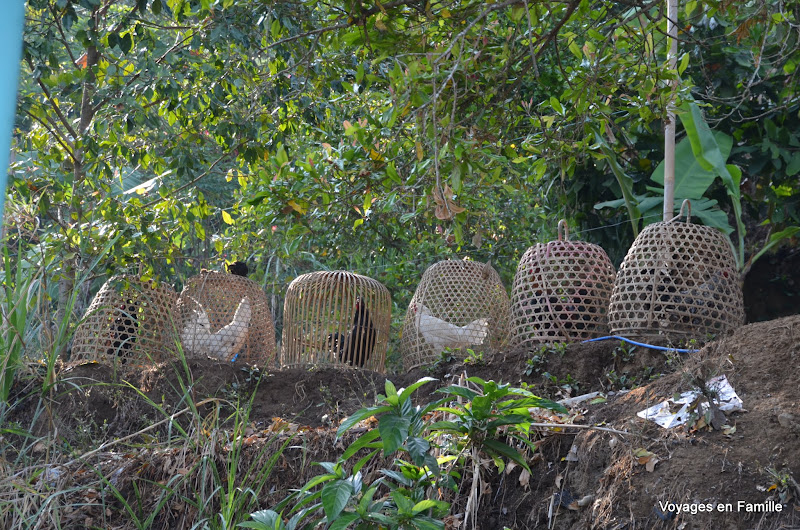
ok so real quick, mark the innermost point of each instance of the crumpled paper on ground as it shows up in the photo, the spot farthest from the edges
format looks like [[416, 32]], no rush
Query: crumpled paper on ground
[[727, 401]]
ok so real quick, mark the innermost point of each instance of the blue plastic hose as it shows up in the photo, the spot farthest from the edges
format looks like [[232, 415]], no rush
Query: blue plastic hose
[[642, 344]]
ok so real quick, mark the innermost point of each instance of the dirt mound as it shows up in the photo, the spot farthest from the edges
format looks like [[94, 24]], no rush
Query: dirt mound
[[742, 476], [591, 479]]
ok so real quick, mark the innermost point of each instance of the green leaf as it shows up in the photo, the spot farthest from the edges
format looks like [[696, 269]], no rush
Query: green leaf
[[691, 180], [405, 393], [705, 146], [360, 416], [543, 403], [366, 499], [616, 203], [391, 392], [404, 504], [556, 104], [366, 458], [264, 520], [343, 521], [425, 523], [507, 419], [446, 425], [482, 407], [417, 448], [226, 217], [624, 181], [793, 167], [459, 391], [126, 43], [497, 447], [361, 442], [428, 504], [575, 49], [394, 431], [774, 239], [684, 63], [335, 496]]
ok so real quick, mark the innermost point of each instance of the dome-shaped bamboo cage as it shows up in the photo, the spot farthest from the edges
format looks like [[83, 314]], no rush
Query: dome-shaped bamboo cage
[[336, 317], [678, 280], [457, 305], [129, 324], [561, 292], [227, 317]]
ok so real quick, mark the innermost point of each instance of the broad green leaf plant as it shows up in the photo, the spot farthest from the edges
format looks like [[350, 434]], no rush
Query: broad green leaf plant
[[493, 420], [700, 159]]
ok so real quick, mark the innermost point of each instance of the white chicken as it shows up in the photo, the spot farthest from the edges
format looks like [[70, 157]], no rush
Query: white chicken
[[440, 334], [198, 339]]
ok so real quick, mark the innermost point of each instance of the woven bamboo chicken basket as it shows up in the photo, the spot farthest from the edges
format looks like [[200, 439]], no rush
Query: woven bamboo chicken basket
[[561, 292], [226, 316], [338, 318], [678, 280], [457, 305], [130, 324]]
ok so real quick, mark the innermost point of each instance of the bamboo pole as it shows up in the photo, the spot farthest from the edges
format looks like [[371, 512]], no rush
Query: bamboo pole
[[669, 126]]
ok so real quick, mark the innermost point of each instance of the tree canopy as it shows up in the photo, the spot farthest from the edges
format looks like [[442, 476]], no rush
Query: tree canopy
[[383, 136]]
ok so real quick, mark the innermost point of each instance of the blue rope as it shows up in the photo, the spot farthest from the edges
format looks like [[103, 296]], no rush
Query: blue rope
[[662, 348]]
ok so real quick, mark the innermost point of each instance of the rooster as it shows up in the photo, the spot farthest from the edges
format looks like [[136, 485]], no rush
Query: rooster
[[239, 268], [124, 329], [356, 348], [440, 334], [198, 339]]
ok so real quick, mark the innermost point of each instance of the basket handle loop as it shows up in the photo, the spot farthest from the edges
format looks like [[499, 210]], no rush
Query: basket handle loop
[[563, 230], [685, 204]]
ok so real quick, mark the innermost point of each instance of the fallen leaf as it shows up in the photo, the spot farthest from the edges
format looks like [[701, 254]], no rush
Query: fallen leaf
[[645, 458], [728, 429], [524, 479]]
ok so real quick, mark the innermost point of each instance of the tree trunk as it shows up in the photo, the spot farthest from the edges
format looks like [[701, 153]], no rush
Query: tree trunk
[[72, 214]]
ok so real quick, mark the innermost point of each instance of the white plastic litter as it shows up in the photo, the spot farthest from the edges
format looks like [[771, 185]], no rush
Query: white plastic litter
[[663, 414]]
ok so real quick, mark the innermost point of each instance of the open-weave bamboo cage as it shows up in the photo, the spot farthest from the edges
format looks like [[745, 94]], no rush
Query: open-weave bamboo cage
[[561, 292], [457, 305], [129, 324], [678, 280], [227, 317], [336, 317]]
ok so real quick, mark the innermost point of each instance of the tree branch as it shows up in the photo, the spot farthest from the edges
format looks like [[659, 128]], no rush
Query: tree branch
[[56, 134], [53, 103]]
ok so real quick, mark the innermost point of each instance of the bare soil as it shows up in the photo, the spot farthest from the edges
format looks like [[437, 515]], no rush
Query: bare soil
[[581, 479]]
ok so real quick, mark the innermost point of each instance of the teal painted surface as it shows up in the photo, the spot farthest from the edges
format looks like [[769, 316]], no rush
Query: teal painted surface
[[11, 23]]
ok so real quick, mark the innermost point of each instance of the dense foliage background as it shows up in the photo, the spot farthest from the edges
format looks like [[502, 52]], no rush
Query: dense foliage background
[[161, 136]]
